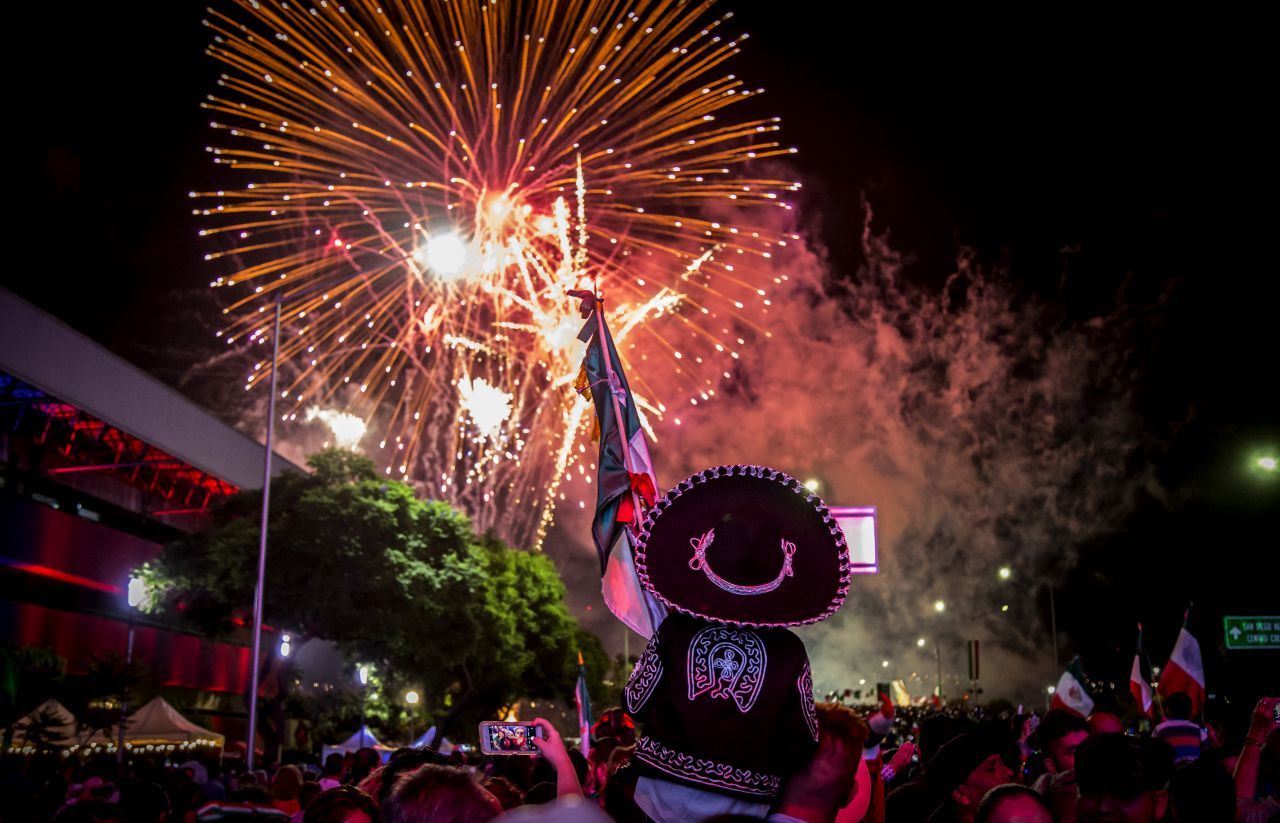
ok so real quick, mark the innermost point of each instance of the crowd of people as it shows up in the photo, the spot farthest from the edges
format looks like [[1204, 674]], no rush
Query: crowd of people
[[934, 765]]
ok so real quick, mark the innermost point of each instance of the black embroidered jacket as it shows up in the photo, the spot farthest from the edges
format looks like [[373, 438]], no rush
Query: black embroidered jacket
[[723, 708]]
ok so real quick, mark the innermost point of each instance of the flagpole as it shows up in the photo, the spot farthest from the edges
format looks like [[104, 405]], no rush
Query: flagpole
[[262, 544]]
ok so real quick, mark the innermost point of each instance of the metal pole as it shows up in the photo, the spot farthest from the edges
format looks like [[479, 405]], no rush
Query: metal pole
[[124, 700], [937, 652], [262, 545], [1053, 627]]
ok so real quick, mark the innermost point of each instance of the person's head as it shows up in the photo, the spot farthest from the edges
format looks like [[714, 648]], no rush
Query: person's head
[[1201, 790], [440, 793], [1123, 779], [598, 760], [333, 765], [827, 782], [341, 804], [308, 792], [507, 793], [963, 771], [90, 811], [1012, 803], [1177, 706], [1105, 723], [1059, 735], [286, 784], [936, 731]]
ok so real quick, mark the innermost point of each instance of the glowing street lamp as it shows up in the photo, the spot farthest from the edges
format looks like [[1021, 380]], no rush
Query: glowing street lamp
[[411, 697], [939, 606], [1005, 572]]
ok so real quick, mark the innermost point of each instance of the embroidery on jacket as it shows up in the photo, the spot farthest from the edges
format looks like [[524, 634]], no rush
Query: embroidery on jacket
[[727, 663], [644, 678], [705, 771], [805, 684]]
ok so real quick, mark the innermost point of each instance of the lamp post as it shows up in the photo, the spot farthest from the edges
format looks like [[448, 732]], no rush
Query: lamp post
[[362, 674], [135, 594], [411, 698]]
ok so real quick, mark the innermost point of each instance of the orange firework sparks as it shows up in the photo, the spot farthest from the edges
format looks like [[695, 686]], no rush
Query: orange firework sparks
[[405, 179]]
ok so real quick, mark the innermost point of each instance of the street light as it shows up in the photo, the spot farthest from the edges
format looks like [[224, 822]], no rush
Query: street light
[[1005, 572], [939, 606], [411, 697], [363, 670], [135, 596]]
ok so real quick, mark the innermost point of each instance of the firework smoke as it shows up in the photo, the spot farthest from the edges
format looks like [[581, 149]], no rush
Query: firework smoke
[[988, 429]]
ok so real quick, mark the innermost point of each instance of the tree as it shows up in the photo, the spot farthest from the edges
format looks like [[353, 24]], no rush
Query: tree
[[393, 580]]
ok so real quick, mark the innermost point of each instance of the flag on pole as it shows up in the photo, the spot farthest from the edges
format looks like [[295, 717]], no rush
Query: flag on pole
[[1185, 671], [583, 700], [626, 483], [1070, 693], [1139, 685]]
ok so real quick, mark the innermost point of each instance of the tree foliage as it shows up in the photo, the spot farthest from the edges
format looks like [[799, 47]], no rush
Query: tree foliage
[[393, 580]]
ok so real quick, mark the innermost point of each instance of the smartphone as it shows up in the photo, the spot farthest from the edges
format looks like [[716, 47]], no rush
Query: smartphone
[[497, 737]]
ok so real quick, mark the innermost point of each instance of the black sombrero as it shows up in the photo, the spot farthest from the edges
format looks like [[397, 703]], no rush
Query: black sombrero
[[746, 545]]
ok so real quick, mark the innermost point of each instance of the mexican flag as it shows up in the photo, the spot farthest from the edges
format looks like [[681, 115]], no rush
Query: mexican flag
[[1139, 685], [1185, 671], [626, 484], [583, 700], [1071, 693]]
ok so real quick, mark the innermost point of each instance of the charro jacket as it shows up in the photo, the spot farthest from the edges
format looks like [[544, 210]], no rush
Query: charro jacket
[[723, 708]]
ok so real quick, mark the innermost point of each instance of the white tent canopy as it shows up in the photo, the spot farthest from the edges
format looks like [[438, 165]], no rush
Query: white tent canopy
[[363, 738], [55, 724], [159, 723]]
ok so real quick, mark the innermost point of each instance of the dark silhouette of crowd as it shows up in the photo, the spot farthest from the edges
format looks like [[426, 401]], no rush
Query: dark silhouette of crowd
[[895, 765]]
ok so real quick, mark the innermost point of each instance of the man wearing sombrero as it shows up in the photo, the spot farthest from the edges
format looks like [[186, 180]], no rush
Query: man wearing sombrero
[[723, 690]]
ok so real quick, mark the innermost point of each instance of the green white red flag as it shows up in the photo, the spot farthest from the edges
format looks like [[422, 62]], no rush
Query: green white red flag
[[1071, 693]]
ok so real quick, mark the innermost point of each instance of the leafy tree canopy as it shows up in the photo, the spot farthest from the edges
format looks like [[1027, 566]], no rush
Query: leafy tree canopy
[[393, 580]]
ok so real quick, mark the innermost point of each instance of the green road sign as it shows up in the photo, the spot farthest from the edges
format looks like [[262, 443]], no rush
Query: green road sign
[[1252, 632]]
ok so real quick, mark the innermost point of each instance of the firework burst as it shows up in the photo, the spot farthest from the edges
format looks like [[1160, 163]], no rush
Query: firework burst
[[413, 184]]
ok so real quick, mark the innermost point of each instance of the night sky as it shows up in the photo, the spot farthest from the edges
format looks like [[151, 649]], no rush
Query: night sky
[[1086, 154]]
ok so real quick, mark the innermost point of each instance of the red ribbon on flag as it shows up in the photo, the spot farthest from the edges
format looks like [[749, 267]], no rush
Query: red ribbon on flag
[[642, 485]]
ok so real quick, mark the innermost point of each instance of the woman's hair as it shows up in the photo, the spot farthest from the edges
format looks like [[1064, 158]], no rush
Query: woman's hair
[[333, 805], [999, 794], [440, 793]]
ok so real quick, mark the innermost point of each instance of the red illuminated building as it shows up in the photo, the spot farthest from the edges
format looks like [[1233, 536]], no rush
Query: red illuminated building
[[100, 465]]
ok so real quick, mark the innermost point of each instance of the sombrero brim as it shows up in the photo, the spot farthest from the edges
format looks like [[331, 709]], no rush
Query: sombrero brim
[[799, 565]]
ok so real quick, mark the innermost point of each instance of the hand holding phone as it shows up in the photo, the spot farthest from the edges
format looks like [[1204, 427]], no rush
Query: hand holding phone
[[498, 737]]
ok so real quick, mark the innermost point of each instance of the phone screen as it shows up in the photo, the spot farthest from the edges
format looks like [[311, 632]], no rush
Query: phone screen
[[515, 738]]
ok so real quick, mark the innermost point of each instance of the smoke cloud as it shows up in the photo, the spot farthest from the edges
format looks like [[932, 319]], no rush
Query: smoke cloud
[[988, 428]]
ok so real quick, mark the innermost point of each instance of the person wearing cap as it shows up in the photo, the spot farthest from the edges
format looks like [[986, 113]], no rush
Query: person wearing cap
[[961, 773], [1123, 779], [723, 692]]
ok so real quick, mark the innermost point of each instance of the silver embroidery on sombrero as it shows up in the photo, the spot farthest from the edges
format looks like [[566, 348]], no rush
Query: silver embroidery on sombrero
[[644, 678], [728, 663], [805, 684], [699, 562]]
